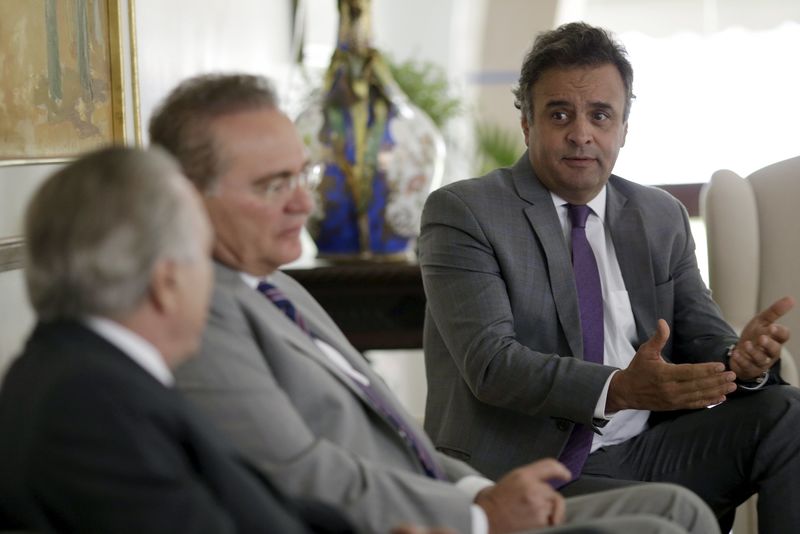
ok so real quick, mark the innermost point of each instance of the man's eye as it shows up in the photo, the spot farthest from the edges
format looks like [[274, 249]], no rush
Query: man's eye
[[559, 116], [278, 185], [275, 185], [600, 116]]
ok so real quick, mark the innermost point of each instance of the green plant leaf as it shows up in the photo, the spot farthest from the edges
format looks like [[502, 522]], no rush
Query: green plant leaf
[[496, 146], [425, 84]]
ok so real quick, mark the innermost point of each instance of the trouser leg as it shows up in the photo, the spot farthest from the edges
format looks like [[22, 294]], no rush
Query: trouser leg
[[617, 525], [667, 501], [749, 444]]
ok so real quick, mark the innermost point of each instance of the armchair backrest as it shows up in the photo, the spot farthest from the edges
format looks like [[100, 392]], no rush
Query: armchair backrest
[[753, 234]]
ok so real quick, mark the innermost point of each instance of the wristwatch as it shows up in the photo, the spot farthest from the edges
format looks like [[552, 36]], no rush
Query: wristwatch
[[753, 382]]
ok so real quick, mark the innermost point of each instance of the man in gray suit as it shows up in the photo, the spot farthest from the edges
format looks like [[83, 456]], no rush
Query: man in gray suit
[[580, 308], [281, 381]]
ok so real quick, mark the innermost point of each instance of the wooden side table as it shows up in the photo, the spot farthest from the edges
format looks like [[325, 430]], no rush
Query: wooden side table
[[377, 305]]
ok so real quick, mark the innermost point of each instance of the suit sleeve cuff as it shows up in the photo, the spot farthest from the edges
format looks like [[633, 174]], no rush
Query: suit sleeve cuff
[[472, 485]]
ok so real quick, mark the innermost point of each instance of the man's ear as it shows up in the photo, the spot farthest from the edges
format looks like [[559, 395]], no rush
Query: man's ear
[[163, 286], [523, 122]]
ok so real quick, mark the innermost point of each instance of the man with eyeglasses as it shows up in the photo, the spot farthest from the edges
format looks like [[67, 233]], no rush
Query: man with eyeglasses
[[281, 381]]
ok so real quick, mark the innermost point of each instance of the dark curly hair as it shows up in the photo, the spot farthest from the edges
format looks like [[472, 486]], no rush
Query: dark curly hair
[[575, 44]]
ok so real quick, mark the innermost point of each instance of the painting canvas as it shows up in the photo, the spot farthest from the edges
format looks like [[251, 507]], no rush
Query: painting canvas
[[56, 83]]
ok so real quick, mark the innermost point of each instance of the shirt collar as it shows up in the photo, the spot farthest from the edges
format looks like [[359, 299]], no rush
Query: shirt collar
[[251, 281], [597, 204], [137, 348]]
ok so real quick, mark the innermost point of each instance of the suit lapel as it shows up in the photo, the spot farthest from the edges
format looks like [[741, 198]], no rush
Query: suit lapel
[[323, 328], [336, 339], [544, 220], [297, 339], [285, 329], [633, 254], [268, 314]]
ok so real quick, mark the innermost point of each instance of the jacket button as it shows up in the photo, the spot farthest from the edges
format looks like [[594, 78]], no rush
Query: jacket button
[[562, 425]]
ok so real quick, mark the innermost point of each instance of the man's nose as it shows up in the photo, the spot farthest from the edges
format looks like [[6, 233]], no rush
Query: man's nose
[[301, 200], [580, 132]]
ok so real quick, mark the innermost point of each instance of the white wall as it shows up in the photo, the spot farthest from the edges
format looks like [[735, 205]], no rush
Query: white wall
[[181, 38], [17, 184], [16, 317], [507, 34]]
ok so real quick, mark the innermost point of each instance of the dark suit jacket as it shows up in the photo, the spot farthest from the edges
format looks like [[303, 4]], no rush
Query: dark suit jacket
[[503, 344], [91, 442]]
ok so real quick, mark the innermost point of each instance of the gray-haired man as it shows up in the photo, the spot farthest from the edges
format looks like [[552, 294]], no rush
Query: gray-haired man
[[93, 438]]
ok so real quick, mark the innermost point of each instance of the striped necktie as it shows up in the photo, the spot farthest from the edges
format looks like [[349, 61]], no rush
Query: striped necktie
[[277, 297], [379, 403]]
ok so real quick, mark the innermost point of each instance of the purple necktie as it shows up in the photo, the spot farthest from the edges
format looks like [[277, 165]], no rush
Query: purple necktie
[[590, 302], [381, 405]]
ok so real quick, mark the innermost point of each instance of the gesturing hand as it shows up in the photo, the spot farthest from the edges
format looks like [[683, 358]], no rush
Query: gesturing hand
[[762, 338], [523, 499], [650, 383]]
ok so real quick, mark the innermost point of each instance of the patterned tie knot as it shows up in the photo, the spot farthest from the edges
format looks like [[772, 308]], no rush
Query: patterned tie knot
[[578, 213], [273, 293], [280, 300]]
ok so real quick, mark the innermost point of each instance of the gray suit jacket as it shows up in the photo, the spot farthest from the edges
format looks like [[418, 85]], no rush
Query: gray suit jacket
[[503, 345], [293, 414]]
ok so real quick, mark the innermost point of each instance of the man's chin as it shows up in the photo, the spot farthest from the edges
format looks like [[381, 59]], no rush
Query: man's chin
[[289, 254]]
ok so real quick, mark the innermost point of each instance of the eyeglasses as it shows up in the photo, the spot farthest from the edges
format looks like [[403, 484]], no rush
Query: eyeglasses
[[280, 187]]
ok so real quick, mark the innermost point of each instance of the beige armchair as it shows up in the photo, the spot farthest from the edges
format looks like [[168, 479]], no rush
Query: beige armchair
[[753, 232]]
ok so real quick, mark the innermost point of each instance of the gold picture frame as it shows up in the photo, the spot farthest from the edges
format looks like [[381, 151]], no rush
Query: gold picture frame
[[115, 20], [12, 251], [62, 81]]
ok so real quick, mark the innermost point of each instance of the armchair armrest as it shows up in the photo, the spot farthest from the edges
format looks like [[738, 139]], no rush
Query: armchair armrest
[[789, 368]]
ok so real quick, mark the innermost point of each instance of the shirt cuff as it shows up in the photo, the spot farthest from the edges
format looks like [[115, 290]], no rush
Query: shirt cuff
[[480, 523], [600, 408], [472, 485], [752, 385]]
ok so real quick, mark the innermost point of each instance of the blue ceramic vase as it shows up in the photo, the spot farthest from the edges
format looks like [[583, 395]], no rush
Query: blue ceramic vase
[[382, 154]]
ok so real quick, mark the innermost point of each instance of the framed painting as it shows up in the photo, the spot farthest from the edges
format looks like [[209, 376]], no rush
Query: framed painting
[[61, 87]]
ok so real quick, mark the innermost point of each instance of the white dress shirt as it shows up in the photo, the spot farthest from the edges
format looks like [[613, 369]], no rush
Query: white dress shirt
[[619, 326], [470, 485], [134, 346]]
